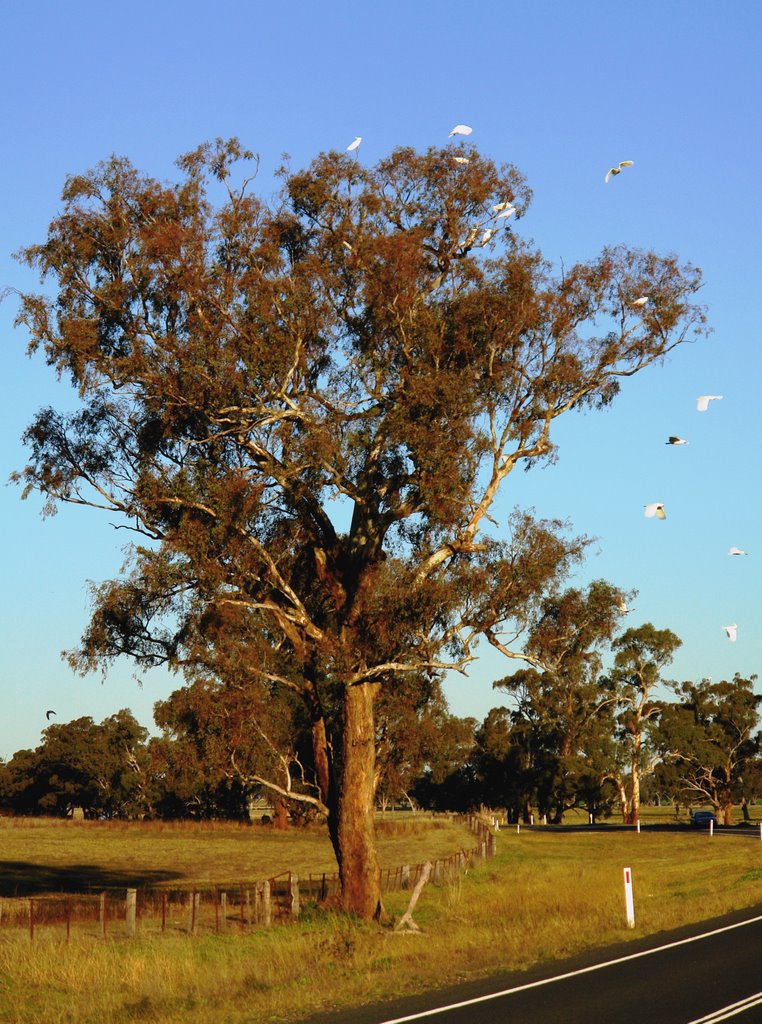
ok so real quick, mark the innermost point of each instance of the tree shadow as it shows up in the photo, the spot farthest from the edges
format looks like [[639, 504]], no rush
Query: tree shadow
[[20, 878]]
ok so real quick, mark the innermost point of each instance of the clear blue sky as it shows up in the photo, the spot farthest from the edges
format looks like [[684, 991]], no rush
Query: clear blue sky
[[562, 90]]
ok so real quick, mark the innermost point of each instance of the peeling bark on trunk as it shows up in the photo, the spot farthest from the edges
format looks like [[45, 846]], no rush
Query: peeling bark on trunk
[[359, 870]]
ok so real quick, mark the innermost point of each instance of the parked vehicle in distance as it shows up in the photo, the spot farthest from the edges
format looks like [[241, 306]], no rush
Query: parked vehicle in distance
[[702, 819]]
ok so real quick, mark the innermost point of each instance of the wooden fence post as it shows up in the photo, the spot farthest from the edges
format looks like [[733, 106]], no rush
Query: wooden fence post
[[131, 908], [266, 904], [195, 901], [295, 904], [405, 876], [223, 911]]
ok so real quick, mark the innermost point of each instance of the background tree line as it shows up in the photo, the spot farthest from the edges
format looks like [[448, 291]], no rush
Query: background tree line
[[572, 735]]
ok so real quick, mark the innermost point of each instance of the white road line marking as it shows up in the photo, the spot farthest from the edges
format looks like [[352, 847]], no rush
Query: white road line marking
[[730, 1011], [573, 974]]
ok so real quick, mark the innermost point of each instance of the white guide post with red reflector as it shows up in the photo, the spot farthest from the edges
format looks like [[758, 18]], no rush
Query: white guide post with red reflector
[[629, 904]]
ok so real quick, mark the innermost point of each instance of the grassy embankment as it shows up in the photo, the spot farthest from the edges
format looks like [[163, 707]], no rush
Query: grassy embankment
[[546, 895]]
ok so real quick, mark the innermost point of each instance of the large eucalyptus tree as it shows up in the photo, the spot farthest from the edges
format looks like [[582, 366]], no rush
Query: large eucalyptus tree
[[304, 408]]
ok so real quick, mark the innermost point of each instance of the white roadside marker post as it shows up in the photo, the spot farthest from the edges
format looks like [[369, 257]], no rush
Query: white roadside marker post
[[711, 828], [628, 901], [638, 823], [760, 831]]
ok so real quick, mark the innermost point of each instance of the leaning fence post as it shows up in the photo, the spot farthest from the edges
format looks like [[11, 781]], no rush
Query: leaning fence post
[[406, 921], [131, 906]]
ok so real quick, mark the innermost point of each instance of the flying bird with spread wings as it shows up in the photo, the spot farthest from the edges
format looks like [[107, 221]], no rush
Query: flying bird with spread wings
[[731, 632], [354, 145], [617, 169], [674, 439], [460, 129], [655, 508], [49, 713], [702, 402]]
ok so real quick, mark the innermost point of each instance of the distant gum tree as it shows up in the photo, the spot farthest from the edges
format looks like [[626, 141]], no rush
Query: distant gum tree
[[641, 654], [560, 710], [304, 408], [711, 736]]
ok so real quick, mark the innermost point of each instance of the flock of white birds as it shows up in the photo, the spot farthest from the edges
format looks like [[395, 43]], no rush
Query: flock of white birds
[[654, 509]]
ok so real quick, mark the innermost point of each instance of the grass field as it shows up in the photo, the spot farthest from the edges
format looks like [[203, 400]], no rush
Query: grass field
[[546, 895], [52, 855]]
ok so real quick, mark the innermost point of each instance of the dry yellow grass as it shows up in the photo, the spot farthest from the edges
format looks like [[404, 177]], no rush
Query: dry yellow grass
[[49, 855], [546, 895]]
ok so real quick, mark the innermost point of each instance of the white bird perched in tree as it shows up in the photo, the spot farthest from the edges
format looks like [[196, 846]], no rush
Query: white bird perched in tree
[[461, 129], [638, 303], [461, 160], [618, 169], [507, 212], [702, 402], [737, 551], [655, 508], [486, 236], [731, 632], [354, 145], [673, 439]]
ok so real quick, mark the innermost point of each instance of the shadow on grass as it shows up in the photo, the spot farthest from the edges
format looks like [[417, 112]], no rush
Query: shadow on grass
[[19, 878]]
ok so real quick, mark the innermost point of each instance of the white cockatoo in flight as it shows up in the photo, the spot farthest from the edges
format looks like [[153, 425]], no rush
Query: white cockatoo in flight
[[617, 169]]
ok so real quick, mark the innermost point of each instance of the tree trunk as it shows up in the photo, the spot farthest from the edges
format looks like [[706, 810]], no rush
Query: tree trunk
[[280, 812], [623, 801], [633, 812], [359, 870]]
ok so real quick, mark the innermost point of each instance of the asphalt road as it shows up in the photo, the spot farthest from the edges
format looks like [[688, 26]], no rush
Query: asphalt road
[[699, 975]]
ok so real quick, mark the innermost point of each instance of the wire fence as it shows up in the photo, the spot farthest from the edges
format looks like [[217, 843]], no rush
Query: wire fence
[[281, 899]]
